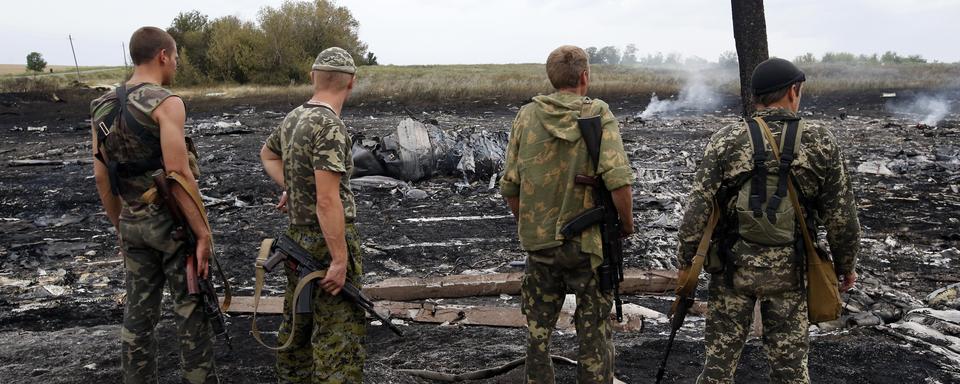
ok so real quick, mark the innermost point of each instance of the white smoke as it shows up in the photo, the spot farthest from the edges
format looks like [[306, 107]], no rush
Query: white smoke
[[696, 95], [931, 110]]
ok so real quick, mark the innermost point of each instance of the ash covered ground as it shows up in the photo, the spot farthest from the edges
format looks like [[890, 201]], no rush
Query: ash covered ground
[[61, 279]]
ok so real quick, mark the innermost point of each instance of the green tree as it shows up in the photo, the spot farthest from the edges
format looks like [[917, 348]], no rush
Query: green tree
[[629, 55], [652, 59], [728, 59], [838, 57], [592, 56], [609, 55], [806, 58], [236, 50], [187, 73], [191, 32], [371, 59], [35, 62]]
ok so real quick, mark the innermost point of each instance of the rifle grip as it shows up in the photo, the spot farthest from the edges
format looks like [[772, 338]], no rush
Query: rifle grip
[[193, 286], [273, 260]]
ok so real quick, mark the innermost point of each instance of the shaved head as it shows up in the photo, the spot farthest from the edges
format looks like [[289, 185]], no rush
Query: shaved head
[[147, 42]]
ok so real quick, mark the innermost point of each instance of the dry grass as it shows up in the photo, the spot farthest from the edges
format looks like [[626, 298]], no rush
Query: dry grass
[[517, 82], [21, 70]]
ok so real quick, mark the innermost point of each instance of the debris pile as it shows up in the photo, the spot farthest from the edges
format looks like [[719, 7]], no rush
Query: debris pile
[[416, 151]]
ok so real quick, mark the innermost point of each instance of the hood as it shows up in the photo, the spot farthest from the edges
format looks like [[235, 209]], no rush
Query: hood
[[558, 113]]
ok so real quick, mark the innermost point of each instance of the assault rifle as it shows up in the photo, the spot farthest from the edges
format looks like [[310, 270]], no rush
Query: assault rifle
[[196, 285], [687, 289], [286, 249], [604, 214]]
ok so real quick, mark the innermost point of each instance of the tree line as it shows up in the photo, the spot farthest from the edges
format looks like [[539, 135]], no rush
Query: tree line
[[278, 48], [629, 56]]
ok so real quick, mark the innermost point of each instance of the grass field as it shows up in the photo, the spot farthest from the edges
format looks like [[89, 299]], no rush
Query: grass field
[[14, 70], [516, 82]]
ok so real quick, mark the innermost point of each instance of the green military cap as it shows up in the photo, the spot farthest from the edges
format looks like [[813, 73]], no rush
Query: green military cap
[[335, 59]]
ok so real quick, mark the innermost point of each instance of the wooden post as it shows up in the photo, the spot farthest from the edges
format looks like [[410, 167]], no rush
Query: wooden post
[[75, 63]]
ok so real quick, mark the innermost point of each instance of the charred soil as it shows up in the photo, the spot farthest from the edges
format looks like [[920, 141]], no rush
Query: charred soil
[[61, 279]]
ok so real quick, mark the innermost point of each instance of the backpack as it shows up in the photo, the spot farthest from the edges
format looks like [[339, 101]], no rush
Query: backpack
[[764, 215]]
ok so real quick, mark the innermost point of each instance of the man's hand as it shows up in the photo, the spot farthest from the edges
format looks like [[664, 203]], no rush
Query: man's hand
[[847, 281], [335, 278], [204, 249], [626, 229], [282, 205]]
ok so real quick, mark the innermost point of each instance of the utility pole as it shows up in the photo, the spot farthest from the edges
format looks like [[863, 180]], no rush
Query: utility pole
[[75, 63], [124, 47]]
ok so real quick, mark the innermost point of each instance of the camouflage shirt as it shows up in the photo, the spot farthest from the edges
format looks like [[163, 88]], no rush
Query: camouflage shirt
[[819, 170], [312, 138], [125, 146], [544, 155]]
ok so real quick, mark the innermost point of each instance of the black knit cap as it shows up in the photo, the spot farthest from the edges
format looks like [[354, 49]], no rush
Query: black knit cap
[[774, 74]]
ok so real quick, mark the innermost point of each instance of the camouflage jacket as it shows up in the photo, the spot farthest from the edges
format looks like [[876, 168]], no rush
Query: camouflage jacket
[[819, 170], [124, 146], [312, 138], [544, 155]]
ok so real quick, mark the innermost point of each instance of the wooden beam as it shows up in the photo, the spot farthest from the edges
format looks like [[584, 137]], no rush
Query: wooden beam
[[411, 288], [450, 314]]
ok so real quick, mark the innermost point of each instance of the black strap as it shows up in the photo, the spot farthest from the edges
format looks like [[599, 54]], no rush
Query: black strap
[[783, 172], [758, 187], [132, 123], [120, 117]]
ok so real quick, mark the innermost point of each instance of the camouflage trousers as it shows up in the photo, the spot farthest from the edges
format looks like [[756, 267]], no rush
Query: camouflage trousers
[[152, 259], [550, 275], [327, 346], [783, 310]]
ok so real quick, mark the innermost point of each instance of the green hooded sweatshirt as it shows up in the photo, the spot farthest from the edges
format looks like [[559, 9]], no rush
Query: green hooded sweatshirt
[[544, 155]]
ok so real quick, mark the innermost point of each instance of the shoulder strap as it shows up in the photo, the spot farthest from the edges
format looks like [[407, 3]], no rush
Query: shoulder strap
[[792, 194], [591, 130], [790, 138], [131, 122], [758, 186]]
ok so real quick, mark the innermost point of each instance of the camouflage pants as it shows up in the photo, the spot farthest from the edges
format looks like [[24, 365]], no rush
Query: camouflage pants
[[151, 259], [550, 275], [783, 310], [328, 346]]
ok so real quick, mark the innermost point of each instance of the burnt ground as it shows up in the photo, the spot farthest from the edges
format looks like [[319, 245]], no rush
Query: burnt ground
[[61, 279]]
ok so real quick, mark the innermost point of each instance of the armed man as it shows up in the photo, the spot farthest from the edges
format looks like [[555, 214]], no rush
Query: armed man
[[309, 156], [774, 179], [553, 174], [138, 131]]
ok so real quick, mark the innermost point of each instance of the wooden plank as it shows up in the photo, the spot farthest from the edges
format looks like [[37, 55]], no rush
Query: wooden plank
[[431, 313], [454, 286]]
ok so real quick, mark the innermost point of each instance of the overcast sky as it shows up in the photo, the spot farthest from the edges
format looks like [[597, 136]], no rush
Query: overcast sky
[[512, 31]]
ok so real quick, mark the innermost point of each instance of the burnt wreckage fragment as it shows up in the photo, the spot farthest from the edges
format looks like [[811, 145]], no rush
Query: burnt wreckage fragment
[[417, 151]]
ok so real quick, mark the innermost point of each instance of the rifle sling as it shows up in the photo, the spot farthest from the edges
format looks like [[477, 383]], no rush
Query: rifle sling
[[265, 248], [198, 202], [689, 286]]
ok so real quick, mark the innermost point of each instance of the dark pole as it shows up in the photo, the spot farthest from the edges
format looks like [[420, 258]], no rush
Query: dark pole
[[124, 47], [750, 33], [75, 63]]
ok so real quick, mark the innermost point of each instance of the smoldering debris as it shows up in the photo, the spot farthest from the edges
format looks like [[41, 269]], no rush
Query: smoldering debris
[[416, 151], [696, 96], [930, 110]]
